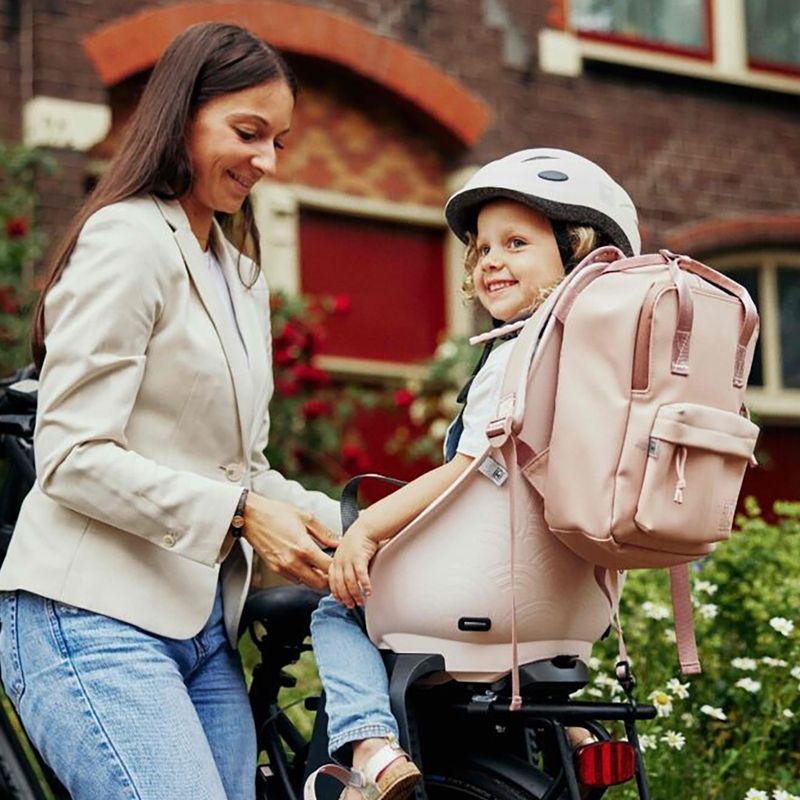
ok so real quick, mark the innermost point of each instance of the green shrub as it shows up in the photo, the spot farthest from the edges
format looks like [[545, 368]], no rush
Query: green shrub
[[736, 728], [20, 245]]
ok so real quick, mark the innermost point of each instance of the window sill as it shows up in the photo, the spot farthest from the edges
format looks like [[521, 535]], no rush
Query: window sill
[[364, 368], [564, 53], [774, 407]]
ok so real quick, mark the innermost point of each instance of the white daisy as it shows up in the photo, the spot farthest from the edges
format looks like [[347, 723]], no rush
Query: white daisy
[[717, 713], [782, 625], [678, 689], [744, 663], [655, 611], [674, 740], [706, 586], [647, 742], [708, 611], [662, 701], [749, 685]]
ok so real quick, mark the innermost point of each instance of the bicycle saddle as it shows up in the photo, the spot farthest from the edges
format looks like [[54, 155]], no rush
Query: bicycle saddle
[[280, 606]]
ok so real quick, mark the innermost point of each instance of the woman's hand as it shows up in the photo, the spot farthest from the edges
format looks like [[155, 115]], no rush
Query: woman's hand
[[282, 536], [348, 576]]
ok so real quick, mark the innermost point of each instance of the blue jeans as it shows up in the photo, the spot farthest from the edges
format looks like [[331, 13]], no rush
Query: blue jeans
[[119, 713], [353, 676]]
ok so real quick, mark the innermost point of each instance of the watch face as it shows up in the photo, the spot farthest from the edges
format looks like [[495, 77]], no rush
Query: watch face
[[237, 522]]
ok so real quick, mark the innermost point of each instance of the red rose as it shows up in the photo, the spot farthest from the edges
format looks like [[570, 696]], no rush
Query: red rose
[[341, 304], [403, 398], [287, 388], [285, 356], [16, 227], [310, 375], [8, 305], [292, 335], [312, 409], [355, 459]]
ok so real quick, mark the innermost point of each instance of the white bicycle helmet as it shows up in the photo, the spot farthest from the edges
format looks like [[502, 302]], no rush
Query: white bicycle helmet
[[562, 185]]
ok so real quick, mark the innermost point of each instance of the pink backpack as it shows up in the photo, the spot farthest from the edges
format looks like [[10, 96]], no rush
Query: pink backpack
[[623, 406], [619, 443]]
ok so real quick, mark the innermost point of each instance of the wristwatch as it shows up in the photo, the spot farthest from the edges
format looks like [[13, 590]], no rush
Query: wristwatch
[[237, 523]]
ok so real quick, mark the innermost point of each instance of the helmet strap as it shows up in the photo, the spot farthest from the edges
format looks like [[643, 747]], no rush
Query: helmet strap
[[561, 233]]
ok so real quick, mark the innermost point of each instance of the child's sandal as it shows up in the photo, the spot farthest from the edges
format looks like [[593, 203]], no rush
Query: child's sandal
[[396, 782]]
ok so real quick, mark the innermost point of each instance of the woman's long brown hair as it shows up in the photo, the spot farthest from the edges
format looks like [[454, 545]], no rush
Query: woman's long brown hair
[[205, 61]]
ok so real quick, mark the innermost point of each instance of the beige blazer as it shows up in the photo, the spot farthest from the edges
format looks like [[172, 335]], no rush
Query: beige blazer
[[152, 417]]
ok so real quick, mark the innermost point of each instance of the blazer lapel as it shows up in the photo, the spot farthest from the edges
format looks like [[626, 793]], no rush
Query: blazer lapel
[[196, 262], [247, 316]]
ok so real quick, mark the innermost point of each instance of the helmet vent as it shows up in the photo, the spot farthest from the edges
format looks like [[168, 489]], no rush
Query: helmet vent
[[538, 158], [553, 175]]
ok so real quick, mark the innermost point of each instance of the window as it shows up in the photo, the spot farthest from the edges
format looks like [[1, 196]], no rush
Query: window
[[393, 264], [681, 25], [393, 276], [745, 42], [773, 34], [773, 280]]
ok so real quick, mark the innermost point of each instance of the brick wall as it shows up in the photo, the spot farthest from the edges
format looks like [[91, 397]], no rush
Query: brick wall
[[687, 150], [10, 121]]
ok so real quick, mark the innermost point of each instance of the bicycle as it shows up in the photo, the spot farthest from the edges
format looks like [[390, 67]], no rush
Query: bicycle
[[464, 738]]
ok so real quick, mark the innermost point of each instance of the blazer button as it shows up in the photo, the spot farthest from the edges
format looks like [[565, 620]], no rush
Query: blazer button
[[169, 540], [233, 472]]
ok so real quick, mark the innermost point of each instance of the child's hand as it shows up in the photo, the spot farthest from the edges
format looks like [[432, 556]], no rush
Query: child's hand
[[348, 575]]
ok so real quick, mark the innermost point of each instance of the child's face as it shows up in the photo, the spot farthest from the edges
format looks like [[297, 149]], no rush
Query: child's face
[[517, 256]]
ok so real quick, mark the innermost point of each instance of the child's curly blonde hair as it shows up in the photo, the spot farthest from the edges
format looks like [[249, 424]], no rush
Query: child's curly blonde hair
[[582, 239]]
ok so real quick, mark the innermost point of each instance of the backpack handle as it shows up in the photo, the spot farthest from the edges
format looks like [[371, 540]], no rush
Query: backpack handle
[[610, 259], [683, 330], [750, 322]]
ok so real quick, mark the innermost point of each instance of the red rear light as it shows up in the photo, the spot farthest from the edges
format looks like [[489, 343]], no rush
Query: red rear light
[[605, 763]]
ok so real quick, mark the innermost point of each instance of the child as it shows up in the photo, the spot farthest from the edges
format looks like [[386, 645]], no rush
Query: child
[[527, 219]]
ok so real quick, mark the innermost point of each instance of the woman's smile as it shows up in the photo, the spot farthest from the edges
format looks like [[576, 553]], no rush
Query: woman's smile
[[242, 183]]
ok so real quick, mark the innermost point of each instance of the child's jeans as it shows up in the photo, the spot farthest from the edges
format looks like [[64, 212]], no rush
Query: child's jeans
[[353, 676]]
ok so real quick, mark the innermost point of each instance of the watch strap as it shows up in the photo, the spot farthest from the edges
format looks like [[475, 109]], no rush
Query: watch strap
[[237, 522]]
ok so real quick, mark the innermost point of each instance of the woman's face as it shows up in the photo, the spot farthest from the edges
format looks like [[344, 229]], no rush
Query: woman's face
[[517, 256], [233, 143]]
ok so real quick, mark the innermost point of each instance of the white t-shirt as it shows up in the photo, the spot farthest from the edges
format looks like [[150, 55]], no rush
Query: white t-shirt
[[482, 399], [218, 276]]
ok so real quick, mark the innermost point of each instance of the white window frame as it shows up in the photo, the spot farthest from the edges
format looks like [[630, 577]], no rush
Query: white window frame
[[277, 208], [563, 52], [772, 400]]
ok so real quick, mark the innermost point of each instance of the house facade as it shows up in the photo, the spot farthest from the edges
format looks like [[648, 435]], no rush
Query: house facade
[[693, 105]]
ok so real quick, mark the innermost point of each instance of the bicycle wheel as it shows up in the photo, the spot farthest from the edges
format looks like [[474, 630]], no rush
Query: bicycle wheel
[[463, 783]]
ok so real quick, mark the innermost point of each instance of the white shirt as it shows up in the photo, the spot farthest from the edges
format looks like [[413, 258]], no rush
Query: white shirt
[[218, 276], [482, 400]]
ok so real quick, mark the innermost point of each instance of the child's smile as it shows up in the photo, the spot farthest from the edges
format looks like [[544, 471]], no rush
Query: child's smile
[[517, 257]]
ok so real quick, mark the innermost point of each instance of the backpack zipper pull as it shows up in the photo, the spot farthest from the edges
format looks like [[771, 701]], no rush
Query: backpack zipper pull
[[680, 467]]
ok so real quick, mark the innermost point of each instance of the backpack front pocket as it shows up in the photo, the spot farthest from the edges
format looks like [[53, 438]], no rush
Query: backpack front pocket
[[696, 460]]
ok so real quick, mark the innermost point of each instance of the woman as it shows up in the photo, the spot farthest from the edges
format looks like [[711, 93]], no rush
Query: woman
[[125, 580]]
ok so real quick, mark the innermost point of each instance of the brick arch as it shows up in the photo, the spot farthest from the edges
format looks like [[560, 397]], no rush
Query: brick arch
[[753, 230], [134, 43]]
